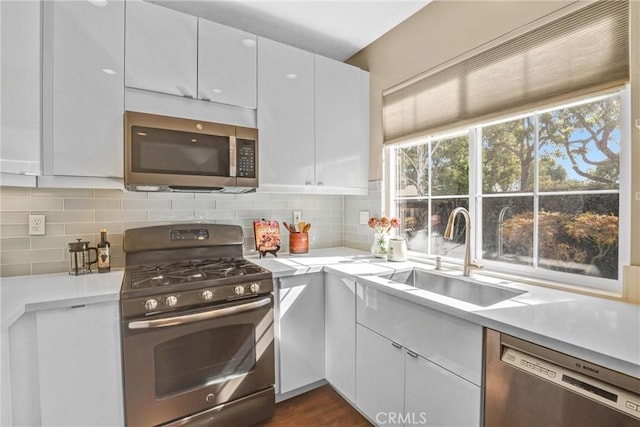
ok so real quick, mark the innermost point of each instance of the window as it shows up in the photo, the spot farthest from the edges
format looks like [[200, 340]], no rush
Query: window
[[543, 190]]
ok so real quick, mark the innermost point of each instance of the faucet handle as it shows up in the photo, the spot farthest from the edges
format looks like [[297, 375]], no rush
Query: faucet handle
[[475, 264]]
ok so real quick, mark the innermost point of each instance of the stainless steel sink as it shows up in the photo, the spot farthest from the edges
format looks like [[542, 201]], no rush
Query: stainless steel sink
[[479, 294]]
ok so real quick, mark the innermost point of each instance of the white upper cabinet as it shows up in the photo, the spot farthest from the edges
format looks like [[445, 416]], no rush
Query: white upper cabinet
[[226, 65], [20, 87], [161, 49], [83, 88], [313, 116], [341, 125], [285, 116]]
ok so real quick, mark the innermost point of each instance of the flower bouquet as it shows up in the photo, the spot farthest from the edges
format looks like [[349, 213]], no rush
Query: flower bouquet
[[383, 226]]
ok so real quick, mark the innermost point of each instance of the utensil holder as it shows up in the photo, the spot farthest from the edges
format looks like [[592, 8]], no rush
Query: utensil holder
[[298, 243]]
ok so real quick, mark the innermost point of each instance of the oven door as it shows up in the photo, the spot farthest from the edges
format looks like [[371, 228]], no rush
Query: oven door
[[179, 365]]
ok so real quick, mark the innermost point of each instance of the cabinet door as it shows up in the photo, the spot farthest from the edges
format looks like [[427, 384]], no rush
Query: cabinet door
[[397, 319], [162, 49], [341, 125], [226, 65], [285, 115], [379, 376], [301, 330], [340, 334], [83, 89], [79, 366], [437, 397], [20, 87]]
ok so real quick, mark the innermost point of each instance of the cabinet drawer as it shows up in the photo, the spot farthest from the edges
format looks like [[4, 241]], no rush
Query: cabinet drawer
[[448, 341]]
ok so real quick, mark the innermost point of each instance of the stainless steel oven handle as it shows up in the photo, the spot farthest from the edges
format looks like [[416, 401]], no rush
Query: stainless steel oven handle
[[190, 318]]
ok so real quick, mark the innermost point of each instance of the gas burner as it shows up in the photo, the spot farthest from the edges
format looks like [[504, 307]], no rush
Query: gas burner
[[146, 276]]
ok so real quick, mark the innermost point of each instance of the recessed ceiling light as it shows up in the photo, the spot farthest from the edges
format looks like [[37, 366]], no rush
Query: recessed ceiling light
[[194, 140], [292, 76], [108, 71], [141, 133], [99, 3], [217, 91], [248, 42]]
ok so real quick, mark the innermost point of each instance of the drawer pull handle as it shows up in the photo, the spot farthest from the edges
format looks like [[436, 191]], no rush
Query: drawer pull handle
[[395, 344], [412, 354]]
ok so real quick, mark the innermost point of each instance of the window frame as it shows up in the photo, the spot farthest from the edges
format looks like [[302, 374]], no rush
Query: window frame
[[530, 274]]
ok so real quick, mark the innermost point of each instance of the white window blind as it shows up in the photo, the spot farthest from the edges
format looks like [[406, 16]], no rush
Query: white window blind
[[582, 52]]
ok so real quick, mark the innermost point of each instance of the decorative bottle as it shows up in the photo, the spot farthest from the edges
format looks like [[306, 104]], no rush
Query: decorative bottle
[[104, 253]]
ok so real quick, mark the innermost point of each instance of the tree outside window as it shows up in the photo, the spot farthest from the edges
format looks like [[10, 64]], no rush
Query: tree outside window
[[549, 191]]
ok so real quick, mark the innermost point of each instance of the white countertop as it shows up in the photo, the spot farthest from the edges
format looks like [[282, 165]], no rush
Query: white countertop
[[602, 331], [599, 330], [29, 293]]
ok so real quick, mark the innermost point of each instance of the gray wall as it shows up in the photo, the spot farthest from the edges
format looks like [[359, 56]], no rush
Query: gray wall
[[80, 213]]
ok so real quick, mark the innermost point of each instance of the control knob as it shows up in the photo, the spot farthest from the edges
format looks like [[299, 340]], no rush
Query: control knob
[[206, 295], [150, 304], [255, 288], [238, 290], [171, 300]]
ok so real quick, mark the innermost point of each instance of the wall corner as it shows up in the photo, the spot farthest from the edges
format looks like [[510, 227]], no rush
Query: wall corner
[[631, 284]]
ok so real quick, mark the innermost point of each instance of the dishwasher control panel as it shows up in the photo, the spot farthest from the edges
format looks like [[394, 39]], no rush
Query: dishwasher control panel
[[606, 394]]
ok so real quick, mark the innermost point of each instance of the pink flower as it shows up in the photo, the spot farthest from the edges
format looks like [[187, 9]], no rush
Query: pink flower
[[383, 224]]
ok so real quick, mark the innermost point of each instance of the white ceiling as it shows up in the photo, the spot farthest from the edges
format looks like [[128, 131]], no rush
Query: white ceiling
[[337, 29]]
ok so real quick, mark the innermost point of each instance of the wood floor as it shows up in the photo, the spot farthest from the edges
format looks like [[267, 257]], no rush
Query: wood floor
[[319, 407]]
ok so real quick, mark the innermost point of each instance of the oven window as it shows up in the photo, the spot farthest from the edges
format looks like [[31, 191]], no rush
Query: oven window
[[175, 152], [203, 358]]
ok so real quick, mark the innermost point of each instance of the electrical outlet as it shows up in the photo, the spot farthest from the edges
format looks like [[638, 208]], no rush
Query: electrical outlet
[[297, 217], [36, 225], [364, 217]]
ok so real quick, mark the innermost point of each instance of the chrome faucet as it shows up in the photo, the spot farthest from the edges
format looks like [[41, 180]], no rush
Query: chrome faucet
[[448, 235]]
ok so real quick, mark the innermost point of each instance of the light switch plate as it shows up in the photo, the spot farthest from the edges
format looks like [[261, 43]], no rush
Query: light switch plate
[[364, 217], [36, 225], [297, 217]]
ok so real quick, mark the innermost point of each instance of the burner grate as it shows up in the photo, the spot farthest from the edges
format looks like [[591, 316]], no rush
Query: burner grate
[[146, 276]]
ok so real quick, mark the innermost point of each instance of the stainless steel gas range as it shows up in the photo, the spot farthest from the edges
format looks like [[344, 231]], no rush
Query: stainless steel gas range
[[197, 328]]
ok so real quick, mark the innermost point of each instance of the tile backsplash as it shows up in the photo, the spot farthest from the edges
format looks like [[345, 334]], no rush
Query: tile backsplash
[[80, 214], [357, 235]]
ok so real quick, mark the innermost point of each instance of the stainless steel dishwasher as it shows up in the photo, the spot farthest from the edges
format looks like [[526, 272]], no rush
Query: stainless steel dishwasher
[[530, 385]]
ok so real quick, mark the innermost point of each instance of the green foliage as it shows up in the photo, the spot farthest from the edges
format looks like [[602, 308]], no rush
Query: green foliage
[[507, 156], [450, 166], [586, 238]]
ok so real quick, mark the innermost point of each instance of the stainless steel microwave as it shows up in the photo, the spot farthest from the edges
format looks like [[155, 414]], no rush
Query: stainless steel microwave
[[175, 154]]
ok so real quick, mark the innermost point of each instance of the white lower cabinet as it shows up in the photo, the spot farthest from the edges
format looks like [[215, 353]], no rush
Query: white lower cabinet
[[436, 397], [79, 366], [300, 331], [340, 334], [66, 367], [415, 365], [379, 376]]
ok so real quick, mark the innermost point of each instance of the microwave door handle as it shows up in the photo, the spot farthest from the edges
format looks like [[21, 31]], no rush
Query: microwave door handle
[[232, 156], [206, 315]]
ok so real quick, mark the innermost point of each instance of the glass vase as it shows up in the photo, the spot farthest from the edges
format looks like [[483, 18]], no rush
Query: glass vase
[[380, 245]]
